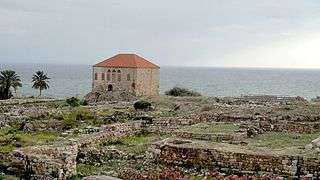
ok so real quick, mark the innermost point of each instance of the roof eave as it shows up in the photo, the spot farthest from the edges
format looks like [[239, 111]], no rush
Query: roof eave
[[157, 67]]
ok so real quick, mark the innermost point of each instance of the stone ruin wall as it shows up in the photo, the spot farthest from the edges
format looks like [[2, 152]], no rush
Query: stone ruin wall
[[217, 157], [232, 138], [307, 124], [59, 161], [290, 124]]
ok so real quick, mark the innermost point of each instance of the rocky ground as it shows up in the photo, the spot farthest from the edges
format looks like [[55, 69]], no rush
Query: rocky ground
[[178, 138]]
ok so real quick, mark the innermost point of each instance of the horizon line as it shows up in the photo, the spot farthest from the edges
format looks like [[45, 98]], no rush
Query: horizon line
[[177, 66]]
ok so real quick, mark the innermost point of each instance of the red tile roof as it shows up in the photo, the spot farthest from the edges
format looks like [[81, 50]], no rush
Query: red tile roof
[[126, 61]]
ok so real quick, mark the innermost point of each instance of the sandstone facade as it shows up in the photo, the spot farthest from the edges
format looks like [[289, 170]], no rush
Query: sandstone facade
[[126, 72]]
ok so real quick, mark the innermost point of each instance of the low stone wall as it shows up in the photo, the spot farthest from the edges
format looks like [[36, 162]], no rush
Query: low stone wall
[[180, 152], [298, 127], [45, 162], [288, 126], [170, 124], [110, 133], [233, 138], [26, 101], [59, 161]]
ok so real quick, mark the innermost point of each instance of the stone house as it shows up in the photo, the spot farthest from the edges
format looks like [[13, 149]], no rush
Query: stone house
[[127, 72]]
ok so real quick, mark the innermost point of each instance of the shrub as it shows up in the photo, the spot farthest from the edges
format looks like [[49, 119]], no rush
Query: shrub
[[83, 114], [177, 91], [142, 105], [69, 122], [84, 102], [73, 102]]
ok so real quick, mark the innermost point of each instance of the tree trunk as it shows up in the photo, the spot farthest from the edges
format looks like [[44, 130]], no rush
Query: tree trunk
[[7, 93], [40, 92]]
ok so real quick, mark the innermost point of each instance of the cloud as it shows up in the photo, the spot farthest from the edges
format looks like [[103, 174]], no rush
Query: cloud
[[180, 32]]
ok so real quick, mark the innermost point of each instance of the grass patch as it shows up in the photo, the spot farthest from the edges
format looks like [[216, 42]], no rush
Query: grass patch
[[281, 140], [212, 128], [136, 140], [135, 144], [71, 119], [86, 170], [7, 177], [10, 139], [6, 148], [28, 139]]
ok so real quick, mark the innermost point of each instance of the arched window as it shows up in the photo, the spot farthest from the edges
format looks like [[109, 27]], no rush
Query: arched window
[[110, 87], [108, 75], [128, 77], [96, 76], [114, 75], [102, 76], [119, 75], [133, 85]]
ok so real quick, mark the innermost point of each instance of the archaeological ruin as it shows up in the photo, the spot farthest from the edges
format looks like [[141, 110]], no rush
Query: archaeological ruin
[[252, 137]]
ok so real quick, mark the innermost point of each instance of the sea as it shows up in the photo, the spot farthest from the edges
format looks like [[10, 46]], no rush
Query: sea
[[75, 80]]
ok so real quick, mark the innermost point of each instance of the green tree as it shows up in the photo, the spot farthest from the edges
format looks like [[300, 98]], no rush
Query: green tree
[[8, 79], [40, 81]]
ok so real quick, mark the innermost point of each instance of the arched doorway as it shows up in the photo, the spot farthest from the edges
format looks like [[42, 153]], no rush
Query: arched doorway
[[110, 87]]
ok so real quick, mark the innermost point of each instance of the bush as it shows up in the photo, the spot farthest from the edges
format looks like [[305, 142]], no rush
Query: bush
[[84, 103], [69, 121], [73, 102], [177, 91], [142, 105]]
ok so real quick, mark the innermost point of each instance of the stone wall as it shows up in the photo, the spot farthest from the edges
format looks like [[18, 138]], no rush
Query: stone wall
[[26, 101], [59, 161], [123, 84], [272, 99], [142, 82], [233, 138], [265, 124], [287, 126], [181, 152], [306, 124], [45, 162], [170, 124], [148, 82]]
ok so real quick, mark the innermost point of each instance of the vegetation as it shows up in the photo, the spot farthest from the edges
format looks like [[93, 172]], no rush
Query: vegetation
[[40, 81], [84, 102], [212, 128], [71, 119], [280, 140], [137, 144], [86, 170], [8, 79], [142, 105], [11, 138], [178, 91], [73, 102]]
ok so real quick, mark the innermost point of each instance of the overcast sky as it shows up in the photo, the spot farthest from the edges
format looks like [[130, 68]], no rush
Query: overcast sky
[[246, 33]]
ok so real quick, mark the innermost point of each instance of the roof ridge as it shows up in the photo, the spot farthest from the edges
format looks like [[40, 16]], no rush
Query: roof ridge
[[129, 60], [135, 60]]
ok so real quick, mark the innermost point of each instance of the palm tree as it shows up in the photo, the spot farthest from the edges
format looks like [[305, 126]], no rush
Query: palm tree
[[8, 79], [40, 81]]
